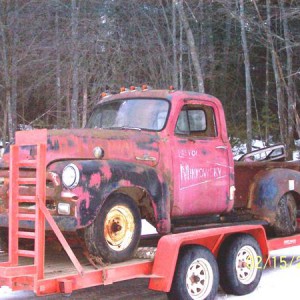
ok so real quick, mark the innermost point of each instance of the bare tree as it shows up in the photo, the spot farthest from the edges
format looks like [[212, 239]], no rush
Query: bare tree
[[174, 46], [75, 65], [58, 71], [275, 64], [290, 83], [192, 45], [9, 35], [247, 76]]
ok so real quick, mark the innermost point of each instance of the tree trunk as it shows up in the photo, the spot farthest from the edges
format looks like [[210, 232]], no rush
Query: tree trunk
[[58, 74], [211, 50], [225, 60], [174, 46], [192, 46], [75, 62], [14, 71], [6, 69], [266, 110], [85, 101], [279, 93], [181, 57], [247, 77], [290, 83]]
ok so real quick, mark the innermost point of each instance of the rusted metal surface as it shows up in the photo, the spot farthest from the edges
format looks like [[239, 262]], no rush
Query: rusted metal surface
[[169, 176], [260, 185], [119, 227]]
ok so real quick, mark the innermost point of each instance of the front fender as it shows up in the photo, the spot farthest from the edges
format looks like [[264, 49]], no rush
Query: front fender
[[99, 179], [268, 187]]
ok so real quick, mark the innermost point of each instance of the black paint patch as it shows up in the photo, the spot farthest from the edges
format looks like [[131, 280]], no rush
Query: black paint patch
[[182, 141], [144, 177], [147, 146], [71, 143], [52, 145], [267, 192]]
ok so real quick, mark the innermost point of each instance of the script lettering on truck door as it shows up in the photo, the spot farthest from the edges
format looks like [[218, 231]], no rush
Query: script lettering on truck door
[[201, 161]]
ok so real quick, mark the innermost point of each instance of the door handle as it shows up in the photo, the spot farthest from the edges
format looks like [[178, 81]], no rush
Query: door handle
[[221, 147]]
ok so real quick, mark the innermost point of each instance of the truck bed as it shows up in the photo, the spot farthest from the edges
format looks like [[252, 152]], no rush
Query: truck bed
[[246, 173]]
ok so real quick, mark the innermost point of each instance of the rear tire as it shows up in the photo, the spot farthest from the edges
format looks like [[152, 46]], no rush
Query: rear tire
[[116, 231], [196, 275], [240, 263], [286, 216]]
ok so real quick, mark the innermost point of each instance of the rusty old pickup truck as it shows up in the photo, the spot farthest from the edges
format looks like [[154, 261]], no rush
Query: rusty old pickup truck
[[159, 155]]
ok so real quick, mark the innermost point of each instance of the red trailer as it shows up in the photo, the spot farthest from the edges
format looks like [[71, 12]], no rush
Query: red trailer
[[186, 265]]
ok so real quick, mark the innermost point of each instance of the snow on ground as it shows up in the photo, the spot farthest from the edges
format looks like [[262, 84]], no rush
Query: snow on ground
[[147, 228]]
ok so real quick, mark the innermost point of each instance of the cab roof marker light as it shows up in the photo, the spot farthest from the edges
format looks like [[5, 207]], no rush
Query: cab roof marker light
[[171, 88], [123, 89], [104, 95], [132, 88], [144, 87]]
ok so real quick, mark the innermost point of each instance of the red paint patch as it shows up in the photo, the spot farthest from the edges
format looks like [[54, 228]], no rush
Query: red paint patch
[[95, 180]]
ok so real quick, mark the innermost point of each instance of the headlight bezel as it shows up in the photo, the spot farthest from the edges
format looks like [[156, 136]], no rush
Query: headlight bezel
[[70, 176]]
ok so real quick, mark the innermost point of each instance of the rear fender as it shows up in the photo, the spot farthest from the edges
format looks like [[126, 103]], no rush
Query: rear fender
[[268, 187]]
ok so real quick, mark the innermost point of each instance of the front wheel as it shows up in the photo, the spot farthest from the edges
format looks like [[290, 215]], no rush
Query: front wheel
[[196, 275], [116, 231], [240, 263]]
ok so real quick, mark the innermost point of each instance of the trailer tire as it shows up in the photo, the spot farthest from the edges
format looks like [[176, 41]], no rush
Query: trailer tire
[[286, 216], [196, 275], [115, 233], [240, 263]]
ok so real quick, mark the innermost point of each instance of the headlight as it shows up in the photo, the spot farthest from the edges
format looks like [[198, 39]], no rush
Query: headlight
[[70, 176]]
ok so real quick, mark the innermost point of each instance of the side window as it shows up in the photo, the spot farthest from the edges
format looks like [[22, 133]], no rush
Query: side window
[[197, 121]]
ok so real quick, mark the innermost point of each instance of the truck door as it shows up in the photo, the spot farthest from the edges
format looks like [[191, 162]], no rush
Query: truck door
[[200, 162]]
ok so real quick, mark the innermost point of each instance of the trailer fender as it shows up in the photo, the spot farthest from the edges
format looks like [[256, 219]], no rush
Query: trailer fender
[[268, 187], [169, 247]]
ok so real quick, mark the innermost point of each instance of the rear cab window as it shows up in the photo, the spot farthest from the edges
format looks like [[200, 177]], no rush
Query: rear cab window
[[196, 121]]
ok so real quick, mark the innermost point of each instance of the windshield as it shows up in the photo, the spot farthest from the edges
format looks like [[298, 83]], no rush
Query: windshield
[[149, 114]]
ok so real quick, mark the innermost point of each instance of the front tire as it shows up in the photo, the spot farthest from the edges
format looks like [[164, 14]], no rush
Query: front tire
[[116, 231], [240, 263], [196, 275]]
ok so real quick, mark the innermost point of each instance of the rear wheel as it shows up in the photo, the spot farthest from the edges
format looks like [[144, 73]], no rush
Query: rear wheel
[[115, 233], [240, 263], [196, 275], [286, 216]]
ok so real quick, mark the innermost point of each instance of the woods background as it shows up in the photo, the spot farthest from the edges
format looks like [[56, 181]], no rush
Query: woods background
[[56, 57]]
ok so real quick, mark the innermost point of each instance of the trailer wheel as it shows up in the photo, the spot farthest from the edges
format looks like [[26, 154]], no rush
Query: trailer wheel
[[196, 275], [116, 231], [240, 263], [286, 216]]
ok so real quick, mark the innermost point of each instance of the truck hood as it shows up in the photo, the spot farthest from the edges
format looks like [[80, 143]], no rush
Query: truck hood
[[72, 144]]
